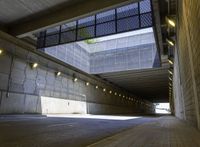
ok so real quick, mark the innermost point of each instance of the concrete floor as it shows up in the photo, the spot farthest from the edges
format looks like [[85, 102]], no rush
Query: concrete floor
[[62, 130], [95, 131], [163, 132]]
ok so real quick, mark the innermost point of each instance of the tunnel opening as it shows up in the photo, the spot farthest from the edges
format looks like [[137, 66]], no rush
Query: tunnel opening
[[162, 108]]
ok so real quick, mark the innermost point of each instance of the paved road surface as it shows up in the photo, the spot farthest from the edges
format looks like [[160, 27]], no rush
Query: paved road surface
[[62, 130]]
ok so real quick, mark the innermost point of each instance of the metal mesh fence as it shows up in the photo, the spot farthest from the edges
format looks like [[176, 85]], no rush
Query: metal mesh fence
[[126, 18]]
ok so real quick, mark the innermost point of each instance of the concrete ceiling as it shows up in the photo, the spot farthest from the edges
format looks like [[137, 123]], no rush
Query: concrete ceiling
[[24, 17], [150, 84], [12, 11]]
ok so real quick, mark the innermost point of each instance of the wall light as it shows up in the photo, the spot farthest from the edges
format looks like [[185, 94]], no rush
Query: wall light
[[170, 42], [123, 96], [170, 61], [115, 93], [110, 92], [1, 51], [58, 73], [34, 65], [87, 83], [120, 95], [75, 79], [104, 90], [170, 72], [96, 87], [171, 22]]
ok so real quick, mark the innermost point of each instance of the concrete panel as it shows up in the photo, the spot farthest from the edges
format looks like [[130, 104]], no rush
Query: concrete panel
[[18, 76], [31, 104], [93, 108], [29, 86], [52, 105], [5, 62], [4, 81], [12, 104]]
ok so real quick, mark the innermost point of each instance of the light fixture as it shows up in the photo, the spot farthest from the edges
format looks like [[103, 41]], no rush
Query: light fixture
[[120, 95], [75, 79], [96, 87], [104, 90], [34, 65], [171, 22], [58, 73], [87, 83], [170, 42], [170, 72], [1, 51], [110, 92], [123, 96], [115, 93], [170, 61]]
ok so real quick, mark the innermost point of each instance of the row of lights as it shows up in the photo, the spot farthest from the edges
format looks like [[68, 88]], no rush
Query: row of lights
[[171, 23], [104, 90], [75, 79]]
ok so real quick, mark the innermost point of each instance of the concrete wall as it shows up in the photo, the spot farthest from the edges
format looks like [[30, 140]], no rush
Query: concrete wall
[[122, 59], [186, 67], [72, 54], [27, 90]]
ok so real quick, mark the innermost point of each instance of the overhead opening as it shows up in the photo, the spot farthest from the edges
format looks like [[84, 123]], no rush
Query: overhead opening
[[122, 19], [119, 39]]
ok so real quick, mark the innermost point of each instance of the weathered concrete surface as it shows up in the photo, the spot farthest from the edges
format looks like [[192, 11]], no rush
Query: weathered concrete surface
[[163, 132], [24, 90], [62, 130], [186, 66]]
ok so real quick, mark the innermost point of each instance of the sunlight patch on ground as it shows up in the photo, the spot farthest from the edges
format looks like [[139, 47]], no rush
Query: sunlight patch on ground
[[89, 116]]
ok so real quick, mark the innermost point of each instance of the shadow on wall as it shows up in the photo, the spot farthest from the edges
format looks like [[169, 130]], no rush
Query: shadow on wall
[[156, 62], [18, 103]]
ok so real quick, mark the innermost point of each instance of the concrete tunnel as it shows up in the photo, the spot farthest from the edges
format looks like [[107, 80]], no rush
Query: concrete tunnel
[[99, 73]]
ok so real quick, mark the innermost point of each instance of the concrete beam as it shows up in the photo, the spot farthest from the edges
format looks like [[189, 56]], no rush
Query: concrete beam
[[63, 15]]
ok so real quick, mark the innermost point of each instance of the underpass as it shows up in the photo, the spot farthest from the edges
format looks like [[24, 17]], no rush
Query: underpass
[[96, 72]]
